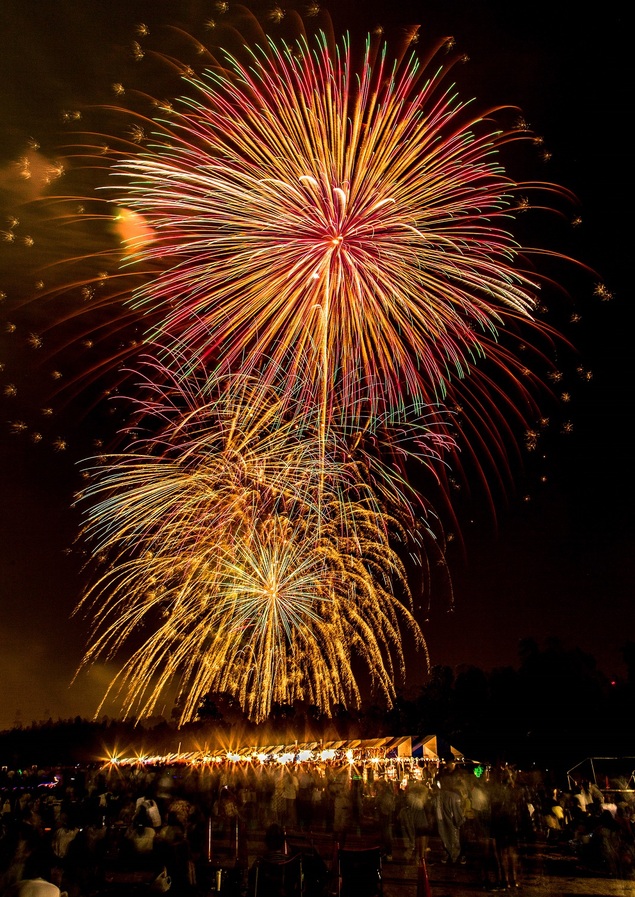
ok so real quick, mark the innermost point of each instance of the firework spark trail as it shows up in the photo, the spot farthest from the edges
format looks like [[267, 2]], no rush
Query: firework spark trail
[[309, 211], [329, 237], [219, 547], [272, 620], [359, 222]]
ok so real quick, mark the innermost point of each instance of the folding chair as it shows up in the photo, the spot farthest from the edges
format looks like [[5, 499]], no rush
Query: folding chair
[[314, 868], [278, 878], [359, 872]]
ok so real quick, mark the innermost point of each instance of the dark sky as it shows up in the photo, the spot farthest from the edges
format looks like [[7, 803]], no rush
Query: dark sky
[[560, 560]]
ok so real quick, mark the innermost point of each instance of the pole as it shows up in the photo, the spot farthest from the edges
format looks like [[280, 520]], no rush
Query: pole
[[423, 882]]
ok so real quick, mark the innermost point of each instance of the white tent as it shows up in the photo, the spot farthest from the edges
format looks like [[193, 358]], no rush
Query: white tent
[[432, 748], [386, 748]]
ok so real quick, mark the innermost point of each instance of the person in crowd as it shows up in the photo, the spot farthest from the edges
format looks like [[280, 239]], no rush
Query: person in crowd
[[405, 820], [36, 879], [290, 787], [578, 804], [151, 808], [477, 832], [357, 800], [182, 808], [140, 836], [65, 832], [84, 860], [275, 852], [172, 850], [504, 829], [420, 804], [318, 803], [265, 791], [555, 816], [593, 797], [304, 799], [341, 796], [605, 853], [63, 837], [450, 816], [17, 845], [228, 806], [386, 802], [278, 802]]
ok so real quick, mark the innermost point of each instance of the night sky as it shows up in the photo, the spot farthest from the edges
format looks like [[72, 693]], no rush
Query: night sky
[[558, 560]]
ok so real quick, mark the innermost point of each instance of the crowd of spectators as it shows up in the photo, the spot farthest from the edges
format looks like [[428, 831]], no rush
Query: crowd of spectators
[[69, 827]]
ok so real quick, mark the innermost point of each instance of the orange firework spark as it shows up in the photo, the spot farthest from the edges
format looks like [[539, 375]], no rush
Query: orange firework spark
[[250, 566]]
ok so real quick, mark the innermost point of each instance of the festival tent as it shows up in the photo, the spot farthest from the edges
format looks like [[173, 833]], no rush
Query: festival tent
[[608, 773], [434, 747], [387, 748], [431, 747]]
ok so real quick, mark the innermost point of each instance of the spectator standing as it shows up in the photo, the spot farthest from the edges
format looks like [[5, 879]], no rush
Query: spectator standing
[[340, 791], [304, 800], [450, 817], [35, 881], [140, 837], [386, 804], [422, 812], [505, 828], [290, 787]]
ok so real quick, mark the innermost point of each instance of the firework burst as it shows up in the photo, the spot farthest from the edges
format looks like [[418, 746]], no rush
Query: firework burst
[[328, 233], [311, 212], [251, 567], [305, 207]]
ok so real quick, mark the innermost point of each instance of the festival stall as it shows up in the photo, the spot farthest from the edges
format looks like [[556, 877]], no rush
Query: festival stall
[[405, 751]]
